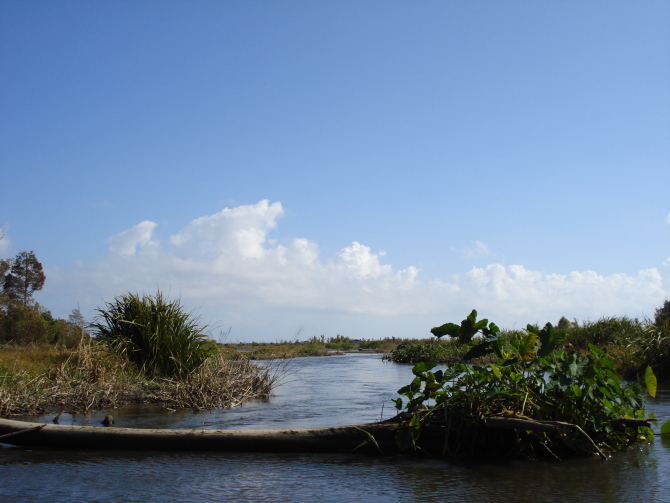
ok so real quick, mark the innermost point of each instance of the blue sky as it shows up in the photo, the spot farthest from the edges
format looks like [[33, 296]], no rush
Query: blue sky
[[365, 168]]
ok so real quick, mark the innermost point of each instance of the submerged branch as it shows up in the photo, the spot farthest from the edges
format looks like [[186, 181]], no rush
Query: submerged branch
[[516, 423]]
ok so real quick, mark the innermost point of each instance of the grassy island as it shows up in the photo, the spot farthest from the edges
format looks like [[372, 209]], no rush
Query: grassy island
[[146, 349]]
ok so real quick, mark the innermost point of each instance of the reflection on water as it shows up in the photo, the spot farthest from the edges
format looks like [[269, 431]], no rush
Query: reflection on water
[[323, 392]]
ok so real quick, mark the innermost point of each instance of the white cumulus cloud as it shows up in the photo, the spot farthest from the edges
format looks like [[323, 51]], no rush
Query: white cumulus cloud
[[359, 260], [240, 231], [226, 265]]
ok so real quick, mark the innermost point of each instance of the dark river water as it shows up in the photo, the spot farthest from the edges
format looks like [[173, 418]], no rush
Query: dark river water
[[338, 390]]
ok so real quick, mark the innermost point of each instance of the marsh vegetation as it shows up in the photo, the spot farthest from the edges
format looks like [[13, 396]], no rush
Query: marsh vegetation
[[632, 344], [313, 346], [531, 399], [37, 379], [145, 349]]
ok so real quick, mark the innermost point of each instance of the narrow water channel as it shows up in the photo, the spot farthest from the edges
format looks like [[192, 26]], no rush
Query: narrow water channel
[[349, 389]]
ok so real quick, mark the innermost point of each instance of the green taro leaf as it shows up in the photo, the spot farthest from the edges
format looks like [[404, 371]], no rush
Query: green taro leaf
[[470, 326], [532, 329], [665, 428], [450, 329], [478, 351], [650, 381], [422, 367], [496, 371], [549, 340], [493, 328], [527, 347]]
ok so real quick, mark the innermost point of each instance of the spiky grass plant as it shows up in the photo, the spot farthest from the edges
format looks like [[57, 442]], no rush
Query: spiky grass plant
[[155, 333]]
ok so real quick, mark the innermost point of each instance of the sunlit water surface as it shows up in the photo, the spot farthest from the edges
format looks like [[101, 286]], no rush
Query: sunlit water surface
[[339, 390]]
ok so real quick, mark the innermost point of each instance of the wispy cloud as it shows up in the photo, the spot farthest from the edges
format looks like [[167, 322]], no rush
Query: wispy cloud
[[128, 242], [226, 262], [4, 240], [478, 251]]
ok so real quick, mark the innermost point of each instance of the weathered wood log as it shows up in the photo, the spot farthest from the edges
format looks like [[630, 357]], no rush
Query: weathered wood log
[[21, 432], [335, 439]]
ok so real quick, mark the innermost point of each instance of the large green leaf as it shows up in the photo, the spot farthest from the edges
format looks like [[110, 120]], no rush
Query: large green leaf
[[450, 329], [481, 349], [422, 367], [470, 326], [549, 340], [496, 371], [665, 428], [650, 381], [527, 347]]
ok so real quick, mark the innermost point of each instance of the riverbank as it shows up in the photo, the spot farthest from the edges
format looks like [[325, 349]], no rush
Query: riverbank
[[40, 379], [314, 346]]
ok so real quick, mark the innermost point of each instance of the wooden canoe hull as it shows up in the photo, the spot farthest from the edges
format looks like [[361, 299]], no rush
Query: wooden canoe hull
[[335, 439]]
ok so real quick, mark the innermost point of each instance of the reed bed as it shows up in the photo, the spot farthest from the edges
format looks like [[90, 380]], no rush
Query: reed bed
[[36, 380]]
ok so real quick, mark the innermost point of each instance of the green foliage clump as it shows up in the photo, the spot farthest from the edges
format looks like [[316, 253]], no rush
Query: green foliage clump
[[23, 324], [408, 352], [633, 344], [568, 403], [614, 330], [154, 333], [340, 342]]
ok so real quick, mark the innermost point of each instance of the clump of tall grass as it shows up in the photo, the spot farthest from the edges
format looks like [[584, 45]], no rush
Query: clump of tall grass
[[154, 333]]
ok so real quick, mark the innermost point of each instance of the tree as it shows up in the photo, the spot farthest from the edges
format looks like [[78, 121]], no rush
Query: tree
[[23, 278], [76, 319], [5, 266], [565, 324], [662, 316]]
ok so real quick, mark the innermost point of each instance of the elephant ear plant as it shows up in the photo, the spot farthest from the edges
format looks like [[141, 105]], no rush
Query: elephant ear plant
[[532, 401]]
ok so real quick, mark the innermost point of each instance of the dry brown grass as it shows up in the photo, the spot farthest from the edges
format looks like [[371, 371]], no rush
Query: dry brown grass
[[38, 379]]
